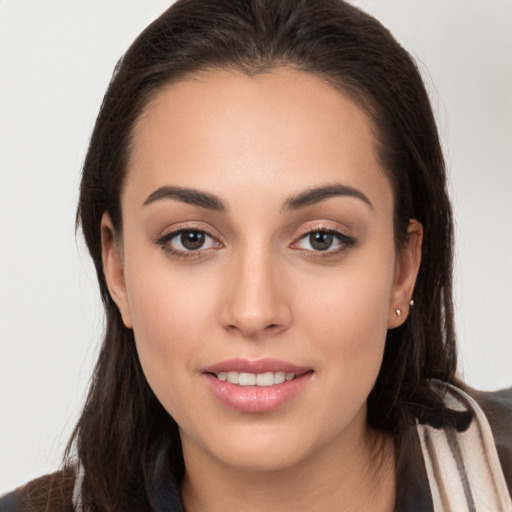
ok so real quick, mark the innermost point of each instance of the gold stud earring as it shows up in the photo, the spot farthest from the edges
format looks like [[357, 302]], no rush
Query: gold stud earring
[[398, 312]]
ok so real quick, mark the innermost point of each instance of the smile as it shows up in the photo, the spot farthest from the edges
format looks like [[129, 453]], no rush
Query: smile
[[256, 386], [255, 379]]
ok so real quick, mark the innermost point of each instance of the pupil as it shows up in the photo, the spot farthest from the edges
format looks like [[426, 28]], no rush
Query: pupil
[[192, 240], [321, 241]]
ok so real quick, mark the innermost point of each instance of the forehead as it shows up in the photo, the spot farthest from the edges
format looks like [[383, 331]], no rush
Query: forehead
[[281, 128]]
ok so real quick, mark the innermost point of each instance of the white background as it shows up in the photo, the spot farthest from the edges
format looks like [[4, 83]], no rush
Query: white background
[[56, 58]]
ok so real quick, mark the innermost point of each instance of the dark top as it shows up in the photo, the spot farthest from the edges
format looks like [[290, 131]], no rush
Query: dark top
[[413, 493]]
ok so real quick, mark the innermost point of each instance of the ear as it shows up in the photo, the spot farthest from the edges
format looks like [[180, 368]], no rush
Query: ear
[[406, 271], [113, 269]]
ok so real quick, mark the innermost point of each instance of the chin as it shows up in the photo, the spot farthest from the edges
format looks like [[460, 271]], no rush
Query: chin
[[270, 458], [262, 448]]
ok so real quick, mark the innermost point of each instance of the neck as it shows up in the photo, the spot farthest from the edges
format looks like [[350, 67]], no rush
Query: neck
[[339, 476]]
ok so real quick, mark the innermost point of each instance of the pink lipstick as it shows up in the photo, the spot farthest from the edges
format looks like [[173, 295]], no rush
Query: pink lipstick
[[256, 386]]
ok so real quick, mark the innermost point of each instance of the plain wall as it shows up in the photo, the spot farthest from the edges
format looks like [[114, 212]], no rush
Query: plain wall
[[56, 58]]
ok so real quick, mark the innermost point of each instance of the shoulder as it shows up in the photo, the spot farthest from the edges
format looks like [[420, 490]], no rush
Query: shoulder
[[49, 493], [10, 502], [497, 407]]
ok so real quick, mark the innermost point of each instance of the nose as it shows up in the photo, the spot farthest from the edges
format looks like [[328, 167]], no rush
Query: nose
[[255, 301]]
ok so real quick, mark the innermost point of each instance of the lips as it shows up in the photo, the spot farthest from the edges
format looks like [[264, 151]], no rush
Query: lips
[[256, 386]]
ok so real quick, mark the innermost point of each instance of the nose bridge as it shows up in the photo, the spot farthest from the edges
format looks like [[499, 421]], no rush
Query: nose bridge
[[255, 302]]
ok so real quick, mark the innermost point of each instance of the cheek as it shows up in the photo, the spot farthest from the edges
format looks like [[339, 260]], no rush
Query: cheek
[[167, 301], [171, 315], [347, 317], [354, 299]]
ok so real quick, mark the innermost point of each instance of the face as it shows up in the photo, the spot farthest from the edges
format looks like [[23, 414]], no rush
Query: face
[[257, 264]]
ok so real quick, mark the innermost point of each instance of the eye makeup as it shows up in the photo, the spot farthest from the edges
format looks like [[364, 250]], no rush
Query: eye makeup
[[314, 241], [188, 242]]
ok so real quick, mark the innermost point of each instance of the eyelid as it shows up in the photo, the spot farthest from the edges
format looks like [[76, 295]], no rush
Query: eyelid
[[188, 226], [343, 238], [327, 226], [171, 232], [324, 227]]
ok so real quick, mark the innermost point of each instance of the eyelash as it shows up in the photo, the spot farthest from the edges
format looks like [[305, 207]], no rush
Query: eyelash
[[344, 240], [165, 240]]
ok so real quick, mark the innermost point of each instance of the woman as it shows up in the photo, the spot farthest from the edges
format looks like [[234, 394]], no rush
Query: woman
[[264, 200]]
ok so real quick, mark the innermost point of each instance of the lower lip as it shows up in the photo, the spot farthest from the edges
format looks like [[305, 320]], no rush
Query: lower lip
[[257, 398]]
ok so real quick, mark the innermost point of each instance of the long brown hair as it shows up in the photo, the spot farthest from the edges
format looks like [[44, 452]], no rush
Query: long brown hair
[[123, 429]]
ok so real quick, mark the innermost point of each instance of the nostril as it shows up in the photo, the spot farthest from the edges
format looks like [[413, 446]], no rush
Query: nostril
[[253, 318]]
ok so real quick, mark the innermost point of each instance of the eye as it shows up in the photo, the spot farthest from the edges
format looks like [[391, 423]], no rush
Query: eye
[[327, 241], [187, 241]]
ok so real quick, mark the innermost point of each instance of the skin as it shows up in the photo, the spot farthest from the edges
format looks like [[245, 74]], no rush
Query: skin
[[258, 289]]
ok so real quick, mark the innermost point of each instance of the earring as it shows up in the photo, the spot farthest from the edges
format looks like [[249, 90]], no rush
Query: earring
[[398, 312], [411, 303]]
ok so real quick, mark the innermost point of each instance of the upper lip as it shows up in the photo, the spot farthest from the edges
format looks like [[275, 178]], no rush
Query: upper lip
[[258, 366]]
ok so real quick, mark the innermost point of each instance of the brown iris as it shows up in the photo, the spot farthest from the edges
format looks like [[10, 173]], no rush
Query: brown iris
[[192, 240], [321, 241]]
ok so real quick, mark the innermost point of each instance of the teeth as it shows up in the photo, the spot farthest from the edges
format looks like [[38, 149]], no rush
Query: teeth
[[279, 377], [265, 379], [233, 377], [255, 379], [247, 379]]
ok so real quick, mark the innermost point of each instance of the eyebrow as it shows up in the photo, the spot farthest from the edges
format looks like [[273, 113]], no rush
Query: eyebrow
[[211, 202], [189, 196], [316, 195]]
